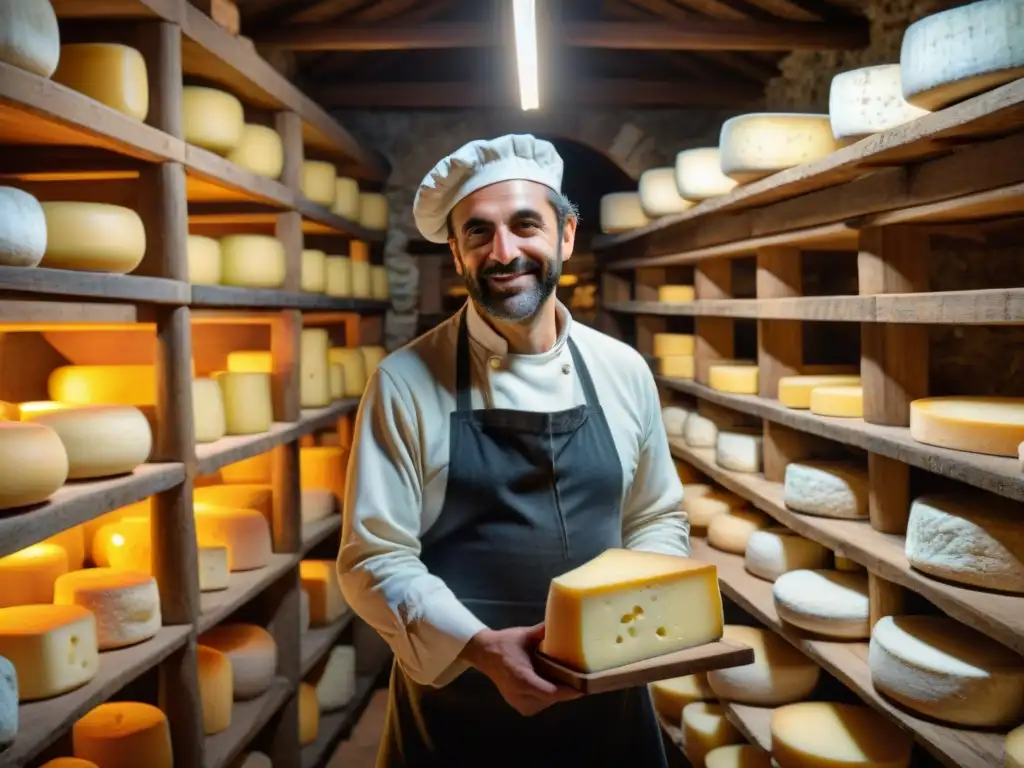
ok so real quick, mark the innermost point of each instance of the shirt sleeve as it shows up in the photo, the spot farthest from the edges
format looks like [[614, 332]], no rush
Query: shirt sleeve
[[379, 566], [652, 516]]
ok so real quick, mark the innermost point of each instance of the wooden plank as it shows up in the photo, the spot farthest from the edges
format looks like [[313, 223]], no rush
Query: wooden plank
[[23, 315], [243, 586], [317, 641], [754, 723], [237, 298], [247, 720], [316, 531], [169, 10]]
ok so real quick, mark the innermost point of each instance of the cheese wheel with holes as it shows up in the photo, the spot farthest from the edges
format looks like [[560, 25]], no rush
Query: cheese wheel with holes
[[255, 469], [674, 417], [827, 488], [373, 210], [843, 402], [316, 505], [676, 294], [738, 756], [705, 728], [100, 440], [214, 569], [795, 391], [28, 575], [673, 344], [944, 670], [779, 674], [252, 653], [245, 533], [203, 260], [103, 385], [991, 425], [361, 288], [950, 56], [259, 150], [339, 276], [730, 530], [346, 198], [677, 366], [126, 604], [700, 431], [309, 714], [8, 702], [314, 383], [968, 538], [72, 541], [827, 603], [1014, 748], [22, 220], [738, 377], [110, 73], [252, 261], [810, 734], [318, 182], [335, 679], [738, 451], [772, 552], [869, 100], [352, 360], [621, 212], [336, 377], [216, 688], [326, 603], [52, 647], [248, 405], [314, 271], [658, 193], [33, 464], [258, 496], [117, 733], [29, 37], [699, 174], [379, 287], [671, 695], [208, 411], [212, 119], [93, 237], [758, 145]]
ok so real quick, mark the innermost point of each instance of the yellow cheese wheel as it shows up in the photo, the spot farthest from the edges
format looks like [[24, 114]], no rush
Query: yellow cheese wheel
[[677, 366], [258, 496], [72, 541], [29, 36], [373, 356], [203, 260], [309, 714], [116, 734], [379, 287], [991, 425], [323, 468], [22, 220], [373, 210], [250, 361], [339, 276], [314, 271], [140, 509], [675, 294], [845, 401], [245, 533], [670, 696], [93, 237], [210, 422], [103, 385], [248, 406], [216, 688], [212, 119], [112, 74], [260, 150], [812, 733], [29, 638], [126, 604], [100, 440], [795, 391], [256, 469], [738, 377], [326, 603], [361, 288], [314, 380], [699, 174], [352, 360], [253, 656], [252, 261], [33, 463], [336, 375], [346, 198], [28, 575], [318, 181], [667, 344], [123, 543], [69, 762]]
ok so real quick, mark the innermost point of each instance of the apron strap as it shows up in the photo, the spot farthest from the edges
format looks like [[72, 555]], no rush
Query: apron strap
[[589, 392]]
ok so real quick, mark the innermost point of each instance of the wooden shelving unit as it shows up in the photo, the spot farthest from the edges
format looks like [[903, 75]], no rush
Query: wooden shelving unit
[[61, 145], [876, 207]]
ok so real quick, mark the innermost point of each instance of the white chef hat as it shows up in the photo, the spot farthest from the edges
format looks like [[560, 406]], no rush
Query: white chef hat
[[479, 164]]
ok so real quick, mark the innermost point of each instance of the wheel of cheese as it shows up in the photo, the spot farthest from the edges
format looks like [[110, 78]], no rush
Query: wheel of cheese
[[969, 538], [216, 688], [93, 237], [22, 220], [658, 193], [252, 653], [259, 150], [258, 496], [318, 182], [336, 374], [212, 119], [244, 532], [117, 733], [314, 271], [309, 714], [33, 464], [379, 287], [676, 294], [352, 360], [701, 509], [373, 356], [699, 174], [110, 73], [29, 37], [779, 674], [103, 385], [845, 402], [827, 603], [248, 406], [950, 56], [29, 635], [671, 695], [1014, 748], [738, 378], [256, 469], [686, 473], [730, 530], [28, 575], [795, 391], [869, 100], [772, 552], [323, 468], [326, 603], [126, 604], [123, 544], [674, 417], [204, 266], [739, 451], [252, 261], [72, 541], [827, 489], [757, 145], [361, 288], [346, 198], [938, 667], [69, 762], [314, 379], [738, 756], [335, 679], [665, 344], [819, 733], [700, 431], [339, 276], [992, 425], [373, 210], [210, 423], [621, 212], [100, 440], [214, 569], [250, 361], [705, 727], [677, 366]]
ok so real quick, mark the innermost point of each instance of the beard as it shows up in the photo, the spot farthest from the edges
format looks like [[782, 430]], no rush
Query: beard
[[515, 304]]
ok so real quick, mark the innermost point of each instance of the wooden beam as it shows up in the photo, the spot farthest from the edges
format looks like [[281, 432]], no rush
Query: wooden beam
[[697, 34]]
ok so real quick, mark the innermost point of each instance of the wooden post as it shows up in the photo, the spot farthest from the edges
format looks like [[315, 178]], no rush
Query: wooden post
[[289, 127], [646, 289], [287, 523], [779, 342], [285, 341], [613, 289], [715, 336], [884, 599]]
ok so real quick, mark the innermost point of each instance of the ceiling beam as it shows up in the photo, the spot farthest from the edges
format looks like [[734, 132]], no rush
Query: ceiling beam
[[697, 34]]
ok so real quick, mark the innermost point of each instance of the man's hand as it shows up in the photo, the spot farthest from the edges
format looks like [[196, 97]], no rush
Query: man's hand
[[504, 656]]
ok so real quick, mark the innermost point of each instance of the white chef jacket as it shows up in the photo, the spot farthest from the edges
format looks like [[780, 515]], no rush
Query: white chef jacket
[[398, 470]]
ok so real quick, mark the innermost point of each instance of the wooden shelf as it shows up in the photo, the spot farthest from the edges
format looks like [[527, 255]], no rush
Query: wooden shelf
[[317, 641], [243, 586], [318, 530], [93, 285], [229, 296], [247, 719], [755, 723], [334, 726]]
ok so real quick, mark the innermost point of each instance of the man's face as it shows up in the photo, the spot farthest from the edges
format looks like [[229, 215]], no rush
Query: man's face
[[507, 248]]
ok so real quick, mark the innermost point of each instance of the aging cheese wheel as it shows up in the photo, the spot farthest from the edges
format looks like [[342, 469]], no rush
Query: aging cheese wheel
[[260, 150], [621, 212], [699, 174], [945, 670], [252, 261], [320, 579], [818, 733], [110, 73], [33, 463], [670, 696], [245, 533], [730, 530], [93, 237], [336, 681], [116, 734], [1014, 748], [352, 360], [314, 271], [757, 145], [29, 37], [258, 496], [318, 182], [379, 287], [361, 288], [676, 294], [373, 356], [738, 378], [845, 402], [827, 603], [700, 431], [28, 575], [216, 688], [703, 508], [103, 385], [248, 405], [373, 210], [779, 674], [772, 552], [250, 361], [203, 260], [738, 756], [214, 569], [827, 489], [992, 425], [658, 193], [674, 418], [309, 714], [208, 411], [705, 728], [124, 544], [72, 541], [22, 220], [346, 198], [739, 451], [677, 366], [100, 440], [256, 469], [795, 391], [339, 276], [252, 653], [126, 604], [324, 468], [950, 56], [673, 344], [314, 382], [336, 375], [212, 119], [868, 100], [53, 648]]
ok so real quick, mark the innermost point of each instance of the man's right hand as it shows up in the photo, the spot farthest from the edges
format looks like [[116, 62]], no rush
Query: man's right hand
[[504, 655]]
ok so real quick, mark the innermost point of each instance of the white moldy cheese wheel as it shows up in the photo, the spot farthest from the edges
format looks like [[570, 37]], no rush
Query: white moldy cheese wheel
[[845, 402], [969, 538], [318, 182], [93, 237], [992, 425], [757, 145], [738, 451], [260, 150], [244, 532], [827, 489], [28, 575], [203, 260], [772, 552], [248, 404], [699, 174], [216, 688], [103, 385], [33, 464], [208, 411], [314, 271], [674, 417], [22, 221], [253, 656], [252, 261], [8, 702], [212, 119], [100, 440], [827, 603], [818, 733], [779, 674], [621, 212], [945, 670], [53, 648], [126, 604], [665, 344], [118, 733], [738, 377], [702, 508], [373, 210], [670, 696], [346, 198], [700, 431], [868, 100], [950, 56], [29, 36], [795, 391], [1014, 748], [320, 579], [309, 714], [336, 679], [110, 73], [730, 531], [705, 728], [339, 276], [658, 193], [738, 756]]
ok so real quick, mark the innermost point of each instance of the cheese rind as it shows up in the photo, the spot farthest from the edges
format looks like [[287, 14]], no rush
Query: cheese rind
[[336, 681], [738, 756], [33, 463], [252, 261], [214, 570], [318, 182], [672, 695], [757, 145], [245, 533], [674, 418], [260, 150], [252, 653], [203, 260], [677, 366], [845, 402], [700, 431], [779, 674], [126, 604], [816, 733], [738, 451], [116, 734], [730, 530], [326, 603], [22, 220], [317, 504], [827, 488], [110, 73], [354, 364], [346, 198], [772, 552], [738, 378], [945, 670], [795, 391], [29, 37], [99, 440], [324, 468], [990, 425], [625, 606], [103, 385], [248, 405], [339, 276], [702, 508], [361, 287], [216, 688], [869, 100], [258, 496], [658, 193], [93, 237], [53, 648], [314, 271], [212, 119], [621, 212], [699, 174], [28, 575], [827, 603], [705, 728], [314, 381]]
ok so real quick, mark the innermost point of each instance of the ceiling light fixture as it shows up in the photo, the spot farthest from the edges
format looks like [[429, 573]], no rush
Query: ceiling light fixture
[[524, 18]]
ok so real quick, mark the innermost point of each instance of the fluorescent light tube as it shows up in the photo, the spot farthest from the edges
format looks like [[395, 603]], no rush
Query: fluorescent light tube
[[524, 17]]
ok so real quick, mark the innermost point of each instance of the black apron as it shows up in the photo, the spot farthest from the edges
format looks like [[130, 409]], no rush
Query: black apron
[[529, 496]]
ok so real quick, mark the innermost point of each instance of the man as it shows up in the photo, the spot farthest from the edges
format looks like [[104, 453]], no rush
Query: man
[[499, 450]]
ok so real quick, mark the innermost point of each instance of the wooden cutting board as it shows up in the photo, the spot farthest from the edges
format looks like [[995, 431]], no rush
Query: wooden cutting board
[[703, 658]]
